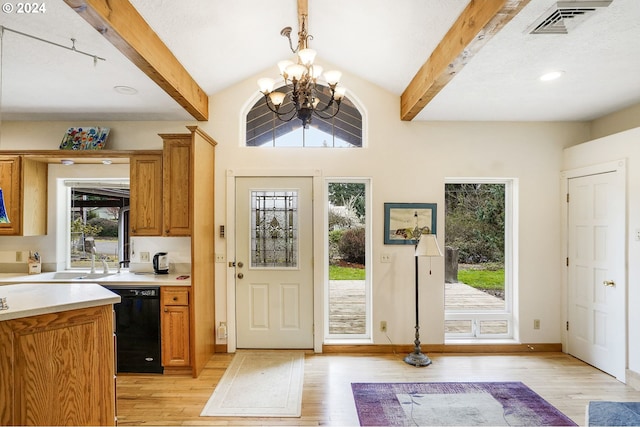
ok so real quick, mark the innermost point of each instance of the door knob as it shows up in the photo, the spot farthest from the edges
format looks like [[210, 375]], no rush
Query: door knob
[[240, 264], [609, 283], [240, 275]]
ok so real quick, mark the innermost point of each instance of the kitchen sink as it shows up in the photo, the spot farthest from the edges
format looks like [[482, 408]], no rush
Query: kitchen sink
[[71, 275]]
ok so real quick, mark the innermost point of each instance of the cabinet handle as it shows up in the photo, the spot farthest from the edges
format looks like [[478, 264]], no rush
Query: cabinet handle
[[166, 310], [175, 298]]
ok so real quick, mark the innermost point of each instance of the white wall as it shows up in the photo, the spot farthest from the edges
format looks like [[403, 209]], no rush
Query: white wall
[[623, 145], [407, 162]]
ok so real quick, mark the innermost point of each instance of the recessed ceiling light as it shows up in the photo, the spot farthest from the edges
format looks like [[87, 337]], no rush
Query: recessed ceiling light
[[551, 75], [125, 90], [66, 162]]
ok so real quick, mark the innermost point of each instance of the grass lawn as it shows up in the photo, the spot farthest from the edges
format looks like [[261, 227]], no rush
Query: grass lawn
[[482, 279], [346, 273]]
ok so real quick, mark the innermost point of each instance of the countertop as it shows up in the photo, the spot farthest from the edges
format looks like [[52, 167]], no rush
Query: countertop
[[32, 299], [114, 279]]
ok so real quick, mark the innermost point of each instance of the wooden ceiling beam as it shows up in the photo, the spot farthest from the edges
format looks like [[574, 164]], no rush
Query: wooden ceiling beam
[[476, 25], [121, 24]]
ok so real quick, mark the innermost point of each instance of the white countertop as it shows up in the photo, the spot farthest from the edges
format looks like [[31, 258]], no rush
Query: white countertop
[[32, 299], [115, 279]]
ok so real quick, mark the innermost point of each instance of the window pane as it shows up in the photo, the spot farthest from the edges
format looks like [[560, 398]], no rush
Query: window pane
[[347, 247], [265, 129], [458, 327], [274, 229], [488, 327]]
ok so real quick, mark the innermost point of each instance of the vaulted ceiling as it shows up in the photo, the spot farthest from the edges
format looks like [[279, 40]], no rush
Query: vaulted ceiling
[[444, 59]]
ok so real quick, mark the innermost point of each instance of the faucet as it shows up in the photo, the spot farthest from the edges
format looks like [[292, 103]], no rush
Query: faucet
[[105, 266], [93, 260]]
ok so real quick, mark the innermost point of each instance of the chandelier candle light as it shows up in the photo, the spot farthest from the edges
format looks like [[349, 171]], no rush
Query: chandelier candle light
[[301, 81]]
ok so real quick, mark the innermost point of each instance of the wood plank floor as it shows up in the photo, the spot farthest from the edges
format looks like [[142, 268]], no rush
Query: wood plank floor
[[562, 380]]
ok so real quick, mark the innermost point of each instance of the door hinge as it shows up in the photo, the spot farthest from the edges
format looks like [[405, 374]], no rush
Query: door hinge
[[567, 261], [567, 325], [567, 197]]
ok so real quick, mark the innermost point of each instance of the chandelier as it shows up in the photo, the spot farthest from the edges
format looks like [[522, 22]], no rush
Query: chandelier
[[300, 79]]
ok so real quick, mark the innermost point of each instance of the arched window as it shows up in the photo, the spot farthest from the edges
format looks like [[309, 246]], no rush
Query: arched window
[[265, 129]]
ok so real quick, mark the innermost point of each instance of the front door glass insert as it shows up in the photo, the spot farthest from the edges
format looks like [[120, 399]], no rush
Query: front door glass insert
[[274, 229]]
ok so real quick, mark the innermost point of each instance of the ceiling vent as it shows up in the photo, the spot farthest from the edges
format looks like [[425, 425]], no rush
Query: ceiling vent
[[565, 15]]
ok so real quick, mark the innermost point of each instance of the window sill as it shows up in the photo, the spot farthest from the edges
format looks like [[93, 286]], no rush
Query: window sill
[[480, 341]]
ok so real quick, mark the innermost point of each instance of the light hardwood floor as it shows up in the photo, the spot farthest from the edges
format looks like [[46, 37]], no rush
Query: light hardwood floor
[[562, 380]]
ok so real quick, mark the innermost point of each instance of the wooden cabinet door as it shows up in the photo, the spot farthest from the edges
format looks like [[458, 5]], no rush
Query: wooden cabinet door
[[10, 183], [58, 369], [177, 187], [175, 327], [145, 216]]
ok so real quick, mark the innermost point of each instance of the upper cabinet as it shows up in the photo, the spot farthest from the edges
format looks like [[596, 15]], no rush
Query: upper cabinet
[[177, 184], [161, 195], [24, 185], [145, 216]]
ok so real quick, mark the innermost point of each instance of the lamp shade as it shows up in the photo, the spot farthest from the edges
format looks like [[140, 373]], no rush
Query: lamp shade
[[428, 246]]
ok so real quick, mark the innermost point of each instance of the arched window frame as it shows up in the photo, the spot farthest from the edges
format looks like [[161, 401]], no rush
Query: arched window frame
[[350, 99]]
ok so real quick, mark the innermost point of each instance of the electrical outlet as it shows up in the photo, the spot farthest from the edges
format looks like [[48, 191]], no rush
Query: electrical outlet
[[383, 326], [19, 256], [219, 257], [385, 258], [536, 323], [144, 257]]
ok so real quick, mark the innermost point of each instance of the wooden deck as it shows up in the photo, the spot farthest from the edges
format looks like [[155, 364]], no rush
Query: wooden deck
[[347, 302]]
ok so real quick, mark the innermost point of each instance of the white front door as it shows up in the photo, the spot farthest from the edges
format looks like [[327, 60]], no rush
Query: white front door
[[274, 263], [596, 276]]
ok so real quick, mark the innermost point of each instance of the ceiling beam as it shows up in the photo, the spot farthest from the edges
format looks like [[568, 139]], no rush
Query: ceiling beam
[[121, 24], [476, 25]]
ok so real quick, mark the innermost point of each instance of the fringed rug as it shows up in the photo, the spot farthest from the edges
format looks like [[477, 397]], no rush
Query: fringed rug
[[454, 404], [259, 384]]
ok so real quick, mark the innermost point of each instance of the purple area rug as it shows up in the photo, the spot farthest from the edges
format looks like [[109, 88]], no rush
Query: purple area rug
[[454, 404]]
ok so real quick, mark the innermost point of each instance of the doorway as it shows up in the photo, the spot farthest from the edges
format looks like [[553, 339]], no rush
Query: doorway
[[274, 262], [596, 278]]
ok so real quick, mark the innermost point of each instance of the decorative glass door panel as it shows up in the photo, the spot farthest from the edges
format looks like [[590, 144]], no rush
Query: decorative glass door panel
[[274, 229]]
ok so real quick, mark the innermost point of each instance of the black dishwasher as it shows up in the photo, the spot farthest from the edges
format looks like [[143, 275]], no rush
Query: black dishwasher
[[138, 329]]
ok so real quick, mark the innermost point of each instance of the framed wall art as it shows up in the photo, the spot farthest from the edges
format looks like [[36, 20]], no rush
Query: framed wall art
[[403, 220]]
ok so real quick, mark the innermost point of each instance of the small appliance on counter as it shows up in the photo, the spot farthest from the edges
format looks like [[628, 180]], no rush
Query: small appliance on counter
[[161, 263]]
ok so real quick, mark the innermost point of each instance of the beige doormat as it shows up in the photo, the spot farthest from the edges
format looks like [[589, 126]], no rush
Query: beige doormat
[[259, 384]]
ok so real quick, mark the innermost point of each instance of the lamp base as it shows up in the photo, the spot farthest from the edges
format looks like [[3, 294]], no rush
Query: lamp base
[[417, 359]]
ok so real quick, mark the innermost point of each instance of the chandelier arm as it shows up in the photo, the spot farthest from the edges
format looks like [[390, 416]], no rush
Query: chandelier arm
[[330, 116], [277, 110]]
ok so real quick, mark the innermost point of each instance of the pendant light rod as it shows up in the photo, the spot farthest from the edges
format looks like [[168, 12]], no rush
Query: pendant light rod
[[72, 48]]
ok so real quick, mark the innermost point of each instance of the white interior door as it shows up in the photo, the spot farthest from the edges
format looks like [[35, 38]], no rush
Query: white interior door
[[596, 280], [274, 263]]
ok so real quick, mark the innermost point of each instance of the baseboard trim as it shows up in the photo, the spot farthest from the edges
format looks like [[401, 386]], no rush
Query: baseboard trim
[[445, 348], [438, 348], [633, 379]]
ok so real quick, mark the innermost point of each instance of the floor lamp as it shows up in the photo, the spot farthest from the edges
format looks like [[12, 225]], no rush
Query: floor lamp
[[427, 247]]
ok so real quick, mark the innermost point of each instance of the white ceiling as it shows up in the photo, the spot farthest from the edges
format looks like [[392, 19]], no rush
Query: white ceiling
[[221, 43]]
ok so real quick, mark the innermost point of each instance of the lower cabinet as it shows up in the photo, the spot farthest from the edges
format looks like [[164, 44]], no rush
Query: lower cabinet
[[174, 301], [58, 369]]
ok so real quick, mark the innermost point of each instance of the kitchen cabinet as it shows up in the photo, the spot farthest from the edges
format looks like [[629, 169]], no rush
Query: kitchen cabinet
[[175, 327], [161, 193], [58, 368], [145, 216], [177, 185], [24, 186]]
